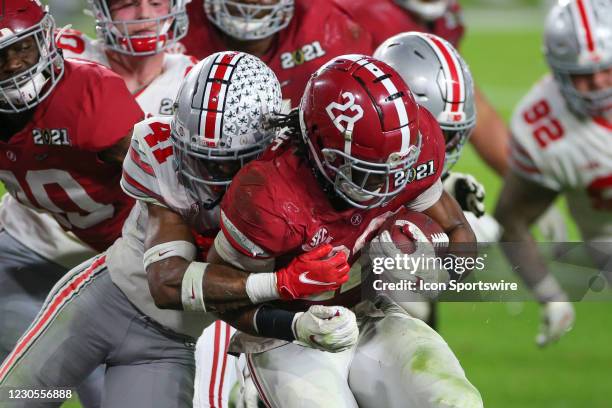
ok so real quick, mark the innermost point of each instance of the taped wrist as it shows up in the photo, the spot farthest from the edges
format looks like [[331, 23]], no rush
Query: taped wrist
[[274, 323], [261, 287], [549, 290], [192, 291], [165, 250]]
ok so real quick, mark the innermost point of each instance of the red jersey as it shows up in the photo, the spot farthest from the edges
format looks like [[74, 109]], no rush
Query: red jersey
[[275, 206], [385, 18], [52, 164], [318, 32]]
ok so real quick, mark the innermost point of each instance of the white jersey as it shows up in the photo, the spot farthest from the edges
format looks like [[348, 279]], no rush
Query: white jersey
[[554, 148], [156, 98], [150, 176], [50, 240]]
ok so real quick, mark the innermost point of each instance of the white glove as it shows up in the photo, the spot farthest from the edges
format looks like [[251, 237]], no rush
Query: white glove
[[249, 397], [383, 246], [468, 192], [552, 225], [557, 319], [327, 328]]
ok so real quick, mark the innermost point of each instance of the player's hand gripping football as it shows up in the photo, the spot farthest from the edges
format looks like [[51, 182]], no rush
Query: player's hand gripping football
[[327, 328], [383, 246], [468, 192], [557, 319], [312, 272]]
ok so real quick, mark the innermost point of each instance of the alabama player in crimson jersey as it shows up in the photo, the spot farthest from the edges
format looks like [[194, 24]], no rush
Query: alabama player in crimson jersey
[[65, 126], [561, 132], [177, 168], [292, 39], [368, 150]]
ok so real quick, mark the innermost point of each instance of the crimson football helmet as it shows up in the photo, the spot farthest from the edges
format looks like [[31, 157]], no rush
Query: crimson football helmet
[[165, 31], [21, 20], [359, 121]]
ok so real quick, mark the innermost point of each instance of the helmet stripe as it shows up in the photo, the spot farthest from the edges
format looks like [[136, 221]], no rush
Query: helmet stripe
[[214, 96], [583, 8], [402, 114], [455, 89]]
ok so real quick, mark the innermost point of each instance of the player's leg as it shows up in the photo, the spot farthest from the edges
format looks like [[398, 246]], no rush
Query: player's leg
[[69, 337], [401, 362], [25, 281], [153, 368], [215, 369], [292, 376]]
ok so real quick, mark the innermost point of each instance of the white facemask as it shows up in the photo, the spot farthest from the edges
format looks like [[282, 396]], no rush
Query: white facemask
[[25, 92]]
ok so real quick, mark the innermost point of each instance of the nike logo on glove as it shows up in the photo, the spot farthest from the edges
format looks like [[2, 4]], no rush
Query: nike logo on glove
[[304, 279]]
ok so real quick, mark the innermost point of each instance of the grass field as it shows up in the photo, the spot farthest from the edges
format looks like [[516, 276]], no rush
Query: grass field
[[494, 341]]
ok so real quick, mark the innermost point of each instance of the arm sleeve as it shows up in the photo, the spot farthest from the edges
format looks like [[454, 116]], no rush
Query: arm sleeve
[[108, 111], [427, 198], [138, 179]]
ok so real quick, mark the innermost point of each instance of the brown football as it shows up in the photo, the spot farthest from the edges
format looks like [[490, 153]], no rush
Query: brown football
[[406, 227]]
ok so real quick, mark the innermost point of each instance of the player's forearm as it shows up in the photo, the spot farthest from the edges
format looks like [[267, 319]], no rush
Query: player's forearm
[[490, 137], [521, 249]]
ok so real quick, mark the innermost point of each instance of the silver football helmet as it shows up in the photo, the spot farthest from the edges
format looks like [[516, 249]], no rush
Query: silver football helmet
[[578, 40], [427, 10], [247, 21], [222, 120], [440, 81], [166, 30]]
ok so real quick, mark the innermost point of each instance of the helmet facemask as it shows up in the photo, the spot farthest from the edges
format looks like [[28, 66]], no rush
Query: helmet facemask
[[455, 137], [207, 172], [427, 10], [26, 89], [584, 104], [162, 32], [249, 22]]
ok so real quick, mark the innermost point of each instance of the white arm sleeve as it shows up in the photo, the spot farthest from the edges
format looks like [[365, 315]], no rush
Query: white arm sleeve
[[232, 256], [427, 198]]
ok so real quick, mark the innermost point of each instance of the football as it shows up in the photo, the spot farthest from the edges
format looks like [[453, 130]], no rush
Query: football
[[407, 227]]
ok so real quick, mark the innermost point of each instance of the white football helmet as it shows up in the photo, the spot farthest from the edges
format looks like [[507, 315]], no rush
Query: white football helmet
[[247, 21], [440, 80], [578, 40], [169, 29], [427, 10], [222, 120], [19, 20]]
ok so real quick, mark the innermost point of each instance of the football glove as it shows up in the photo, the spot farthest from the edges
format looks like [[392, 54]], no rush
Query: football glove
[[327, 328], [468, 192], [312, 272], [557, 319]]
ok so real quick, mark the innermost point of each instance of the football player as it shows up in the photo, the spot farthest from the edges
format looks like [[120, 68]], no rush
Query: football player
[[133, 37], [144, 290], [350, 172], [293, 37], [385, 18], [65, 128], [559, 146]]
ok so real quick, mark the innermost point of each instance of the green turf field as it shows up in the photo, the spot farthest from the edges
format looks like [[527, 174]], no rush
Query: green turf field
[[495, 342]]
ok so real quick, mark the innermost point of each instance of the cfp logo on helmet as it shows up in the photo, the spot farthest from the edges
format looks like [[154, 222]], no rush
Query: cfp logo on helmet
[[348, 106]]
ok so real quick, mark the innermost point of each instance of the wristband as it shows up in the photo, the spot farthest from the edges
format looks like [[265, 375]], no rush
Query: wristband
[[165, 250], [274, 323], [192, 292], [549, 290], [261, 287]]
